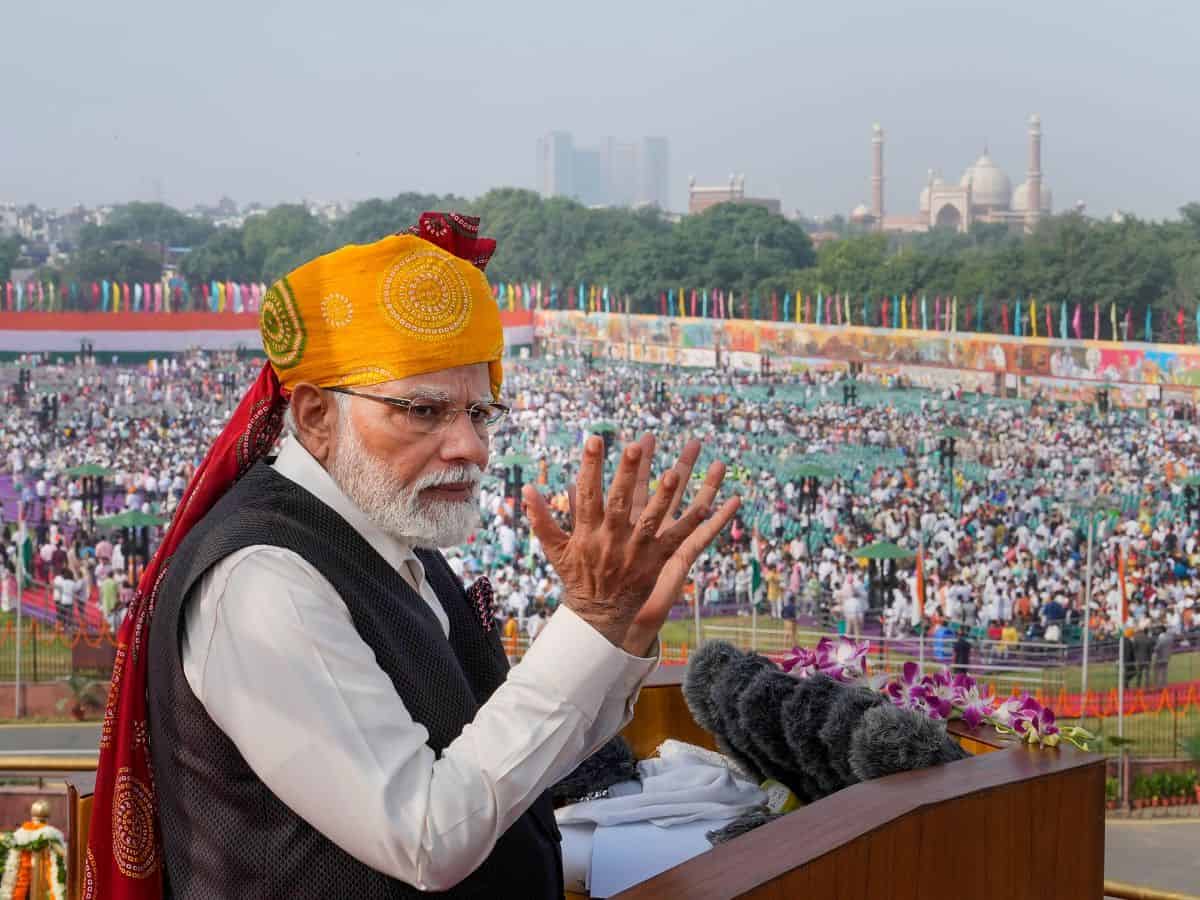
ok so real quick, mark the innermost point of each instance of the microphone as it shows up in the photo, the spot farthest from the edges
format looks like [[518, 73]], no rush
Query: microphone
[[815, 735], [889, 739], [705, 669], [725, 693], [803, 715], [844, 715], [759, 714]]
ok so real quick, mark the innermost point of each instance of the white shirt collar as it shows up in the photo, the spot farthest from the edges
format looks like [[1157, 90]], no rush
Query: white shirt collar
[[297, 464]]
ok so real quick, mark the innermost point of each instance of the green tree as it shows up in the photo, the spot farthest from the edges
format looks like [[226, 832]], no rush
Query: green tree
[[147, 223], [222, 257], [10, 249], [281, 239], [120, 262]]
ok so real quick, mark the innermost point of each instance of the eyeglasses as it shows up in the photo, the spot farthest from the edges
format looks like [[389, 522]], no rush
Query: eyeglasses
[[430, 415]]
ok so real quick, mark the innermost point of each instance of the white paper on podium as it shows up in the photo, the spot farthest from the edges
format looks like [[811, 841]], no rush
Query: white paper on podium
[[625, 855], [577, 857]]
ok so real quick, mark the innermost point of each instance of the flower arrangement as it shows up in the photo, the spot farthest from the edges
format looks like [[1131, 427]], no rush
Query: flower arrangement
[[937, 694], [21, 850]]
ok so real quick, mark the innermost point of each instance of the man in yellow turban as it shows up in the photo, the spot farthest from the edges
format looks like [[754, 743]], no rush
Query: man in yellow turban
[[305, 701]]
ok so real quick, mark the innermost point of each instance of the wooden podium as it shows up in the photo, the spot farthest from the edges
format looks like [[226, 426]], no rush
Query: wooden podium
[[1009, 822]]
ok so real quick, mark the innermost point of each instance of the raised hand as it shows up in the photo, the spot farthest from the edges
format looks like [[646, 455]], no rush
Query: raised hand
[[623, 566]]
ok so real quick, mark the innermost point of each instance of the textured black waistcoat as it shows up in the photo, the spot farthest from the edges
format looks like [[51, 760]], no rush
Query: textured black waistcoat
[[225, 835]]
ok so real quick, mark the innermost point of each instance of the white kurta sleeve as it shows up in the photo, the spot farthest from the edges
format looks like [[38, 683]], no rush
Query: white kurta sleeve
[[271, 652]]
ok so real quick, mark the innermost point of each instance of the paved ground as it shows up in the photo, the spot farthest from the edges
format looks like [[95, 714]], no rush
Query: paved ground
[[49, 738], [1160, 854]]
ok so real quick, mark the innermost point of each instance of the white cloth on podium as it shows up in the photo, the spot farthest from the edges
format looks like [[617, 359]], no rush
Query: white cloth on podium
[[677, 788]]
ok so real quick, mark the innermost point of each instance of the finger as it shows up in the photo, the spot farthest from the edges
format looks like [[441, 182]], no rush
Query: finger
[[675, 571], [552, 538], [675, 533], [589, 501], [704, 535], [641, 492], [571, 502], [620, 493], [683, 468], [647, 527], [707, 495]]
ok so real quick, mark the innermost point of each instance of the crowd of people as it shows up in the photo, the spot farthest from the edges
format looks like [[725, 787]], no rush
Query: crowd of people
[[995, 494]]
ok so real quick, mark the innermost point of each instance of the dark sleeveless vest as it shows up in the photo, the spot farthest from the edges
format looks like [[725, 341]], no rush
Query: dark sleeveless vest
[[225, 835]]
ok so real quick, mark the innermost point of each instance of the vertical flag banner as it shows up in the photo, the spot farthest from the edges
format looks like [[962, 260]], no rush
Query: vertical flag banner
[[1062, 320], [1033, 317], [904, 310]]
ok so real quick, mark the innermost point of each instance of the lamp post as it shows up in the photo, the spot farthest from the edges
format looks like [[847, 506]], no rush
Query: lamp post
[[1093, 504]]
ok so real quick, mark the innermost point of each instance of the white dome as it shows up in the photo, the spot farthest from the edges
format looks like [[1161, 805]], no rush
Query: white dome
[[937, 182], [860, 212], [990, 187], [1020, 200]]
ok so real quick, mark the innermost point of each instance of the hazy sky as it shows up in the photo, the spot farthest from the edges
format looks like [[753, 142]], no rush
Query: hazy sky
[[275, 101]]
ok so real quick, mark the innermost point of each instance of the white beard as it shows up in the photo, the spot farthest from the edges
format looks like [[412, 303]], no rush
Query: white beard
[[396, 508]]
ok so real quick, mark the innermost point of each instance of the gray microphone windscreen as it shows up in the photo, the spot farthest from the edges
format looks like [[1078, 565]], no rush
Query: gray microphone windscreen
[[889, 739], [803, 715]]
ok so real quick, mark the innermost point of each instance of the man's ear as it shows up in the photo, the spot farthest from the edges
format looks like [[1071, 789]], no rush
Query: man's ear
[[315, 413]]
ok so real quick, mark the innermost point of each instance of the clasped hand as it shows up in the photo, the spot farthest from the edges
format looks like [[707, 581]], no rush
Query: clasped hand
[[624, 563]]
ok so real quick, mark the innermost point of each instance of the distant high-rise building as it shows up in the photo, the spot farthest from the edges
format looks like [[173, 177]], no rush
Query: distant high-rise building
[[556, 165], [617, 173], [654, 170]]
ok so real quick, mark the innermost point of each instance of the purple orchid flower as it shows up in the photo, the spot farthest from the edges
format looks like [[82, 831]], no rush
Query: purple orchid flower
[[907, 691], [1035, 723], [844, 660], [939, 694], [1007, 711], [970, 704], [800, 663]]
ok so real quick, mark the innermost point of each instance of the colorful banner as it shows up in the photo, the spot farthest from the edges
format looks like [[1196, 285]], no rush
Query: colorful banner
[[1119, 363]]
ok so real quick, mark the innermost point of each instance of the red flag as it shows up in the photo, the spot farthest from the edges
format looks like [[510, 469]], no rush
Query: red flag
[[1049, 323], [1004, 318], [774, 306], [1179, 322], [808, 309], [662, 303], [1077, 323]]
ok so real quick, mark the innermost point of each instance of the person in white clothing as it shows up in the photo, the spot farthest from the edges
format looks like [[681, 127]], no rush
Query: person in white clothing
[[325, 687]]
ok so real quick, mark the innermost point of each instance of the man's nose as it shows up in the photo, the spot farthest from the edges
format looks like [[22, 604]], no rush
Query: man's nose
[[463, 442]]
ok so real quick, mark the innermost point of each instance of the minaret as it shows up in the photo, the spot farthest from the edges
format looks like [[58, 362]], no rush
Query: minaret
[[877, 177], [1034, 199]]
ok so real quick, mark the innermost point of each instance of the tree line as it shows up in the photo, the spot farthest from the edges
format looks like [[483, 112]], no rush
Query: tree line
[[639, 254]]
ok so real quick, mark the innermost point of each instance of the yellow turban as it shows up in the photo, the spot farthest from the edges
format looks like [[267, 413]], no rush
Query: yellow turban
[[369, 313]]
